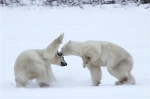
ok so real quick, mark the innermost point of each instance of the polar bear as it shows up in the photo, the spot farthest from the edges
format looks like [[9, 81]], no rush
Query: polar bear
[[94, 54], [36, 63]]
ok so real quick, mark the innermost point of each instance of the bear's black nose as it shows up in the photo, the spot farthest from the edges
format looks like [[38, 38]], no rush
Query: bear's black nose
[[63, 64]]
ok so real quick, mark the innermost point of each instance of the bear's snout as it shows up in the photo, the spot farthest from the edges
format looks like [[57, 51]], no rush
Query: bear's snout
[[63, 64]]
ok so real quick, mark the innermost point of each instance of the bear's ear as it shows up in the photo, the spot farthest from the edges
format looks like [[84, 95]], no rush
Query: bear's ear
[[69, 42], [59, 53], [61, 37], [68, 46]]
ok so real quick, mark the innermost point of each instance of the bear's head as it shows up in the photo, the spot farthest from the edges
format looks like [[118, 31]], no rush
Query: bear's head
[[59, 60], [66, 49]]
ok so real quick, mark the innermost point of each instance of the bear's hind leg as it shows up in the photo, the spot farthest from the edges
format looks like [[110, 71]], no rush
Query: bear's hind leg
[[120, 71], [20, 82], [121, 75], [131, 79], [121, 81]]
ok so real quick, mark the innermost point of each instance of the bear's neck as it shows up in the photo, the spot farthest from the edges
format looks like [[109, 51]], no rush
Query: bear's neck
[[76, 48]]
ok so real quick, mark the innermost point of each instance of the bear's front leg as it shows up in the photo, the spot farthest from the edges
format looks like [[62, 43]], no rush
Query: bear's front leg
[[42, 78], [95, 74], [85, 60], [50, 77]]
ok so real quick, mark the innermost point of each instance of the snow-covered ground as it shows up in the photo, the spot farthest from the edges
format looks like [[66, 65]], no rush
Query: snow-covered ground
[[35, 27]]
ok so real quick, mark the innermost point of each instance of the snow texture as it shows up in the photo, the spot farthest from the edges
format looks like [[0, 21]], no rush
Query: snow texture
[[24, 28]]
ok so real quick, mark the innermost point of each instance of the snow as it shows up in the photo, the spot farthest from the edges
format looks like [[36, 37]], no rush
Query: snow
[[35, 27]]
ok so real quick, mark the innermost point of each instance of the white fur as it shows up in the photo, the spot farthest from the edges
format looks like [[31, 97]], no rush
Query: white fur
[[36, 63], [94, 54]]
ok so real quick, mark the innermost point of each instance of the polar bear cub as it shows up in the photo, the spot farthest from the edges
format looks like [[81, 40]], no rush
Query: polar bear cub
[[95, 54], [36, 63]]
